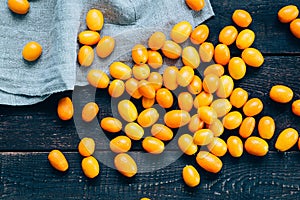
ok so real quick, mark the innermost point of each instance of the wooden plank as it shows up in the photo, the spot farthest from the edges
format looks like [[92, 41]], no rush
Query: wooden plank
[[37, 127], [272, 37], [29, 176]]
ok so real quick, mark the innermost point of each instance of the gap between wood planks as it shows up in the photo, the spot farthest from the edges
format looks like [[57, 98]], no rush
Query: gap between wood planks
[[16, 152]]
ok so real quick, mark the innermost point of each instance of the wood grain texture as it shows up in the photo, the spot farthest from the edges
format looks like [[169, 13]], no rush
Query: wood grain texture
[[29, 176], [272, 37], [28, 133], [38, 127]]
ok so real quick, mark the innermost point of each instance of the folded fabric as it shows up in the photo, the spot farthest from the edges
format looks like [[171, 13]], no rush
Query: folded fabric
[[55, 24]]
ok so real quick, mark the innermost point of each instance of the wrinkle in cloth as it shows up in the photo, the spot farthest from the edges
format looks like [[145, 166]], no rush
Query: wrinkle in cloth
[[55, 24]]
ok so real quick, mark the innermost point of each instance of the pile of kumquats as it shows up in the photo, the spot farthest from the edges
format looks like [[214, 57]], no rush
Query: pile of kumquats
[[211, 97]]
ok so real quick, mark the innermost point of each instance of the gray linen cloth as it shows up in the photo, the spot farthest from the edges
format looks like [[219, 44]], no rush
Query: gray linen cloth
[[55, 24]]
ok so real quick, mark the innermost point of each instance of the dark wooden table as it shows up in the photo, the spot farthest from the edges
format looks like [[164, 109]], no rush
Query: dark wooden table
[[27, 134]]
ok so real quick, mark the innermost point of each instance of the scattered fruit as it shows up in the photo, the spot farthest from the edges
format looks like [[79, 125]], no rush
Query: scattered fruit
[[88, 38], [242, 18], [281, 93], [296, 107], [287, 139], [226, 86], [155, 60], [18, 6], [171, 49], [190, 176], [185, 101], [216, 69], [148, 117], [238, 97], [195, 87], [90, 167], [266, 127], [245, 39], [170, 77], [218, 147], [187, 145], [86, 56], [181, 32], [127, 110], [141, 72], [116, 88], [185, 76], [111, 124], [58, 160], [120, 70], [156, 40], [105, 46], [120, 144], [139, 54], [222, 54], [237, 68], [232, 120], [32, 51], [195, 5], [253, 107], [295, 27], [190, 57], [164, 98], [153, 145], [199, 34], [206, 51], [256, 146], [195, 123], [252, 57], [144, 83], [235, 146], [207, 114], [211, 83], [203, 137], [221, 106], [97, 78], [161, 132], [288, 13], [89, 111], [86, 146], [177, 118], [65, 109], [134, 131], [209, 162], [94, 20], [228, 35], [125, 164], [247, 127]]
